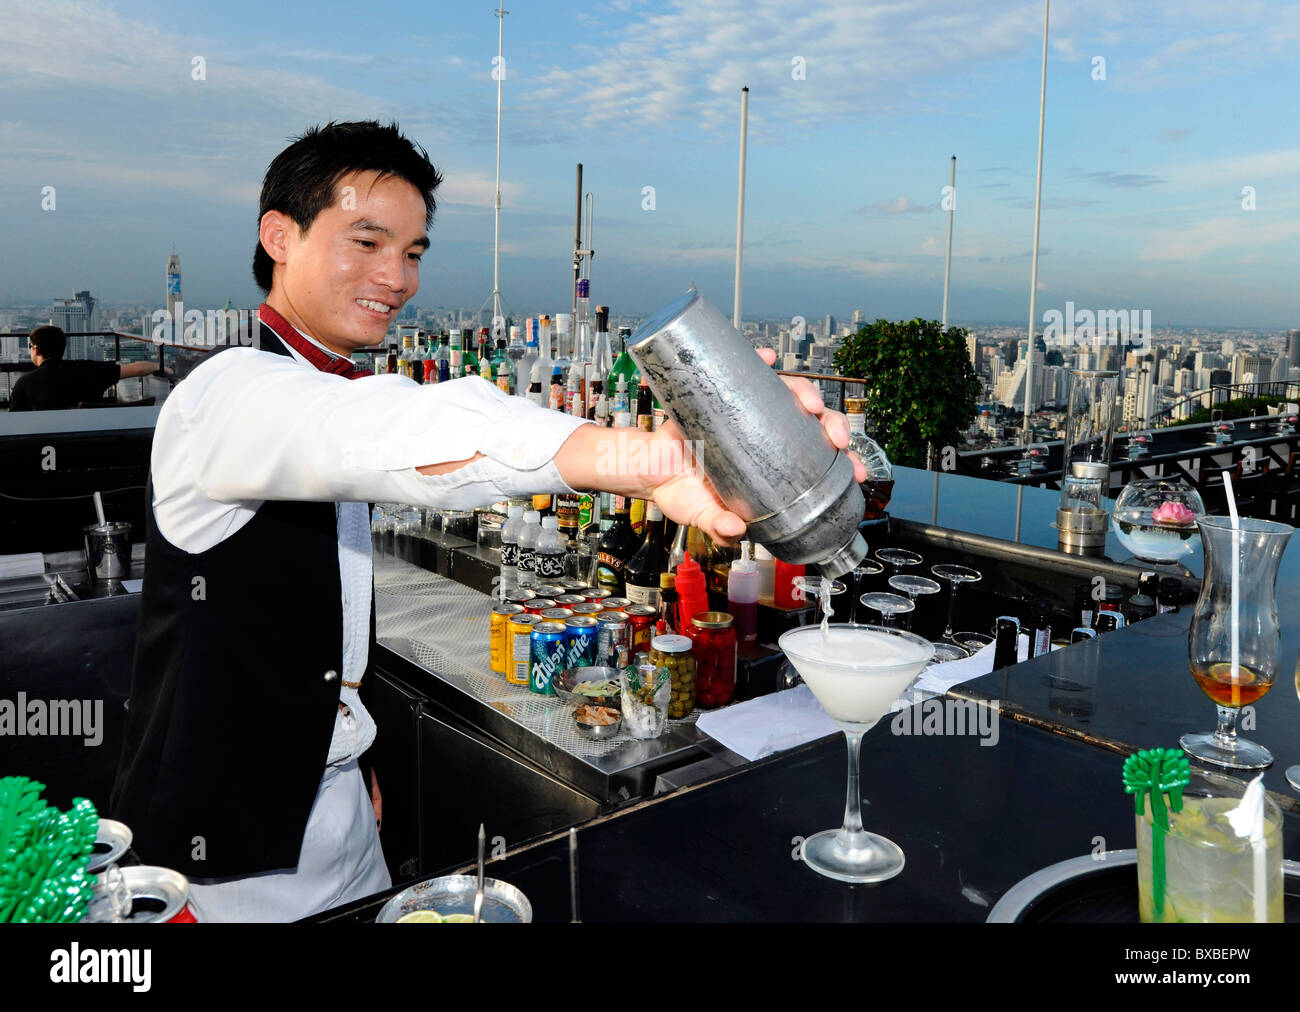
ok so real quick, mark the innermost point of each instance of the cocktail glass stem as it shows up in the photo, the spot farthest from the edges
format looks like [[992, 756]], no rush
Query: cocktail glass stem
[[852, 836], [952, 608], [1225, 735]]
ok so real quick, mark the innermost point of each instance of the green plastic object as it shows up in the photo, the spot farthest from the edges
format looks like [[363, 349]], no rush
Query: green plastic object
[[1156, 772], [43, 855]]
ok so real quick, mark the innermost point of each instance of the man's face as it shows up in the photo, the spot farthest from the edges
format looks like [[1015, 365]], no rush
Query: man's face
[[345, 280]]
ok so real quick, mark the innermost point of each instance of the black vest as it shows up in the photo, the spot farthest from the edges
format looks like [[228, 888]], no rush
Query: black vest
[[235, 689]]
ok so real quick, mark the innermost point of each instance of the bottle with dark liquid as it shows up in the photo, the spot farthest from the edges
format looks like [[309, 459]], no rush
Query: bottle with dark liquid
[[617, 546], [641, 576], [879, 486], [645, 412]]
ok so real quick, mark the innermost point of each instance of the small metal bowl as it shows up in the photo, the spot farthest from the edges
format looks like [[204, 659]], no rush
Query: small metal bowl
[[566, 682], [454, 894], [597, 732]]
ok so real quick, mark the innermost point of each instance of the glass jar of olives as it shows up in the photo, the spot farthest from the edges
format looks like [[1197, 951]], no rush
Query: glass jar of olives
[[714, 637], [674, 653]]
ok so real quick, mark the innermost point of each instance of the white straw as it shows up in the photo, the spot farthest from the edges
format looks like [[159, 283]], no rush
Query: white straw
[[1236, 575]]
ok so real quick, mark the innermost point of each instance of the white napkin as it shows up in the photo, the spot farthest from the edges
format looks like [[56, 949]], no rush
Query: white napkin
[[132, 586], [28, 564]]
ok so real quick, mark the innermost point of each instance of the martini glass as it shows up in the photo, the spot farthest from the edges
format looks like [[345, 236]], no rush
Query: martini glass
[[945, 651], [888, 605], [856, 672], [865, 571], [972, 641], [955, 576], [913, 586], [898, 558]]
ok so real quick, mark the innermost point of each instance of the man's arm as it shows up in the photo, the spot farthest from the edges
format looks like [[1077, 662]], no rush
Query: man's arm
[[137, 369]]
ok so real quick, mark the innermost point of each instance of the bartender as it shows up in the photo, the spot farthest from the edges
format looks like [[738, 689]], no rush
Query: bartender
[[245, 727]]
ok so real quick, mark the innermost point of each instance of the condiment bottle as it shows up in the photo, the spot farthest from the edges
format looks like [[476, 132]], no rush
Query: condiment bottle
[[766, 572], [742, 595], [784, 591], [692, 596]]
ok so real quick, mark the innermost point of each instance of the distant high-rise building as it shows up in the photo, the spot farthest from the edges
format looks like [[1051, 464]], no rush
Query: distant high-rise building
[[828, 329], [74, 315], [173, 285], [859, 318], [1293, 348]]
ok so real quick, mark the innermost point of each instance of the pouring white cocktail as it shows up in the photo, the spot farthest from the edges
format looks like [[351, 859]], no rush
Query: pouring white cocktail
[[855, 671]]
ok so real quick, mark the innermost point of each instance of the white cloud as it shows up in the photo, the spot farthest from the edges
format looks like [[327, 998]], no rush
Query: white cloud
[[1247, 229]]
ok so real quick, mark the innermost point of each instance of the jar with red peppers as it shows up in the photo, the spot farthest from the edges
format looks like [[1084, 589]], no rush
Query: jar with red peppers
[[715, 658]]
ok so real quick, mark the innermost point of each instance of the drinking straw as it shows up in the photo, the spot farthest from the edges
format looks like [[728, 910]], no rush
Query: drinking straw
[[1236, 574]]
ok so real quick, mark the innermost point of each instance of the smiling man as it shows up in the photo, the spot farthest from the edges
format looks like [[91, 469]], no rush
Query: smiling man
[[240, 764]]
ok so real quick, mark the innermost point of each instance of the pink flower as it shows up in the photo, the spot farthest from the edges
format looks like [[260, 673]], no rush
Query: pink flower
[[1173, 513]]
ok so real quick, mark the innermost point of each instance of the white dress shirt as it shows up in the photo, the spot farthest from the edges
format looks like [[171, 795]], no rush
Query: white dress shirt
[[247, 426]]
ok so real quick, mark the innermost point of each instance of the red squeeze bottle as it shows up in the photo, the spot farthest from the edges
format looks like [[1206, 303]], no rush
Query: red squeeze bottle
[[784, 591], [692, 596]]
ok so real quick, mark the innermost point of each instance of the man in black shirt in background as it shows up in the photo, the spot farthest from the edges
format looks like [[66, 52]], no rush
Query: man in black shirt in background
[[58, 384]]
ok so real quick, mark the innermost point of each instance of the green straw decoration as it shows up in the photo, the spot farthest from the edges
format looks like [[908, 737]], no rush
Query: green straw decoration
[[43, 855], [1156, 772]]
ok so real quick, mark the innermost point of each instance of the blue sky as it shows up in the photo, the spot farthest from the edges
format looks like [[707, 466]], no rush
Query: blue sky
[[1143, 171]]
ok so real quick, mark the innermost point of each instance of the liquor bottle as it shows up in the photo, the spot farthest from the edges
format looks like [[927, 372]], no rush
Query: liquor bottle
[[539, 389], [667, 603], [391, 364], [602, 361], [617, 546], [517, 351], [484, 348], [548, 556], [444, 358], [879, 486], [1040, 636], [623, 366], [456, 357], [524, 367], [469, 361], [1006, 636], [575, 381], [567, 508], [644, 407], [1170, 594], [510, 532], [677, 554], [620, 415], [528, 548], [641, 577], [563, 344], [502, 367]]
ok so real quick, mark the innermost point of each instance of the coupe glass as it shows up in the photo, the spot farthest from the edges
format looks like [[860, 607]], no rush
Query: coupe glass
[[888, 605], [913, 587], [1156, 519], [866, 570], [856, 672], [955, 577], [898, 558], [1253, 566]]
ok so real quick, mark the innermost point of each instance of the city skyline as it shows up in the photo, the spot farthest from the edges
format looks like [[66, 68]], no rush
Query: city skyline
[[854, 114]]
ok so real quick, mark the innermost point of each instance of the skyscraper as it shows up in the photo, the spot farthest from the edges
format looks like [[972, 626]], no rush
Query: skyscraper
[[173, 284], [72, 316], [1293, 348]]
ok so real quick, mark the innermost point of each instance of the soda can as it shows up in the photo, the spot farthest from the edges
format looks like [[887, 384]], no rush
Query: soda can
[[612, 643], [500, 619], [572, 585], [569, 600], [519, 637], [615, 604], [587, 608], [581, 634], [537, 605], [557, 614], [641, 626], [597, 594], [547, 653], [163, 895], [548, 590], [521, 596]]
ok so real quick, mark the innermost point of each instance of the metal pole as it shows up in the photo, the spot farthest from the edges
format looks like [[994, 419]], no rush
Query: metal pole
[[1033, 274], [740, 199], [947, 260], [496, 215], [577, 247]]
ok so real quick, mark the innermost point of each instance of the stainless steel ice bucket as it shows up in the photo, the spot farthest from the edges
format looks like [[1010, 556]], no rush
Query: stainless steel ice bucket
[[769, 460]]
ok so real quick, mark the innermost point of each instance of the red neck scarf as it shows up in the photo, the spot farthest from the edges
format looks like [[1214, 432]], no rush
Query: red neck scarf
[[322, 360]]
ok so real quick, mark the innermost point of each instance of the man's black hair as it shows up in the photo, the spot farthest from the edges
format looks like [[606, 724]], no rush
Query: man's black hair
[[301, 180], [50, 341]]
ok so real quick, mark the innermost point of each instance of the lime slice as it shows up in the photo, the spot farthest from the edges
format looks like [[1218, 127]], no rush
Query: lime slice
[[458, 919], [423, 917]]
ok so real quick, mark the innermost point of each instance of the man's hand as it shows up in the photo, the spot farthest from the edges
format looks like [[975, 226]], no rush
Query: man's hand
[[659, 466]]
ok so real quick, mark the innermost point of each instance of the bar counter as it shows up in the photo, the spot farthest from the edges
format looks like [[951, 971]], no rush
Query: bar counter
[[973, 816]]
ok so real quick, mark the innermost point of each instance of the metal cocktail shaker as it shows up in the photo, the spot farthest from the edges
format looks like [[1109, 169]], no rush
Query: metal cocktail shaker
[[769, 461]]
